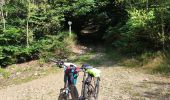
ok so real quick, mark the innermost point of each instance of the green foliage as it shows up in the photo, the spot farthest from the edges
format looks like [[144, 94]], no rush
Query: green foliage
[[44, 23], [82, 7], [138, 19], [132, 26], [49, 46], [135, 28], [145, 29], [13, 54], [12, 36]]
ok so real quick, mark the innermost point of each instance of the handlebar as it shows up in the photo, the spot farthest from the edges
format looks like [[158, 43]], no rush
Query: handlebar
[[58, 62], [54, 60], [61, 65]]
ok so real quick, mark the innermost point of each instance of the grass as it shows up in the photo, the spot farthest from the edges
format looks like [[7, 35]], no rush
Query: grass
[[130, 62], [163, 68], [88, 58], [113, 55], [105, 57], [4, 73], [152, 62], [139, 60], [25, 74], [40, 73], [158, 63], [24, 80]]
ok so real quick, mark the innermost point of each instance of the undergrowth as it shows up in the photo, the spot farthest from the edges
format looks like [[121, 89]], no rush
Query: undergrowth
[[164, 66], [154, 62]]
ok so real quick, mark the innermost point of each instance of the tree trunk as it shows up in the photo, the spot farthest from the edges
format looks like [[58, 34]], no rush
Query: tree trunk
[[162, 31], [27, 33], [28, 23], [147, 5], [3, 18]]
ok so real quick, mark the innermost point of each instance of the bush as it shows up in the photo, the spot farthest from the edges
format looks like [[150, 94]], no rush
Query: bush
[[137, 34], [49, 46], [12, 36], [52, 46]]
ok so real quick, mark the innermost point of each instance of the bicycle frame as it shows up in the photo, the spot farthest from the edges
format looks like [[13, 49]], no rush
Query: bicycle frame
[[92, 89], [70, 87]]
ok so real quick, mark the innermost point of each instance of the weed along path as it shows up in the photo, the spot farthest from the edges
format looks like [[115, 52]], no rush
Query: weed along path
[[117, 83]]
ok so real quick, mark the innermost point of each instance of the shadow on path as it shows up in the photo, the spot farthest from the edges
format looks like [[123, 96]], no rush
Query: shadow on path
[[155, 90]]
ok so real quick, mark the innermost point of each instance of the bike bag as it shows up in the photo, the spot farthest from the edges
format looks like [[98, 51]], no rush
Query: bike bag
[[94, 72]]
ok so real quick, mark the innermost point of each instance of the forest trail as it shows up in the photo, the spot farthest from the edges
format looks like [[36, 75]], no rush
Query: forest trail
[[117, 83]]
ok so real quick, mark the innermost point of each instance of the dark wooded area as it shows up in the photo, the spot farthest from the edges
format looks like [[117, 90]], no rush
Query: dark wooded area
[[28, 28]]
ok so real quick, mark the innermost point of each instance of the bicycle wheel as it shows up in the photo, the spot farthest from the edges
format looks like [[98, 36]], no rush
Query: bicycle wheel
[[74, 92], [63, 97], [86, 87], [88, 91], [96, 91], [91, 90], [85, 91]]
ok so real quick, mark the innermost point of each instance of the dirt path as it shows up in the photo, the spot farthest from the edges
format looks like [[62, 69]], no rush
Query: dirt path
[[117, 83]]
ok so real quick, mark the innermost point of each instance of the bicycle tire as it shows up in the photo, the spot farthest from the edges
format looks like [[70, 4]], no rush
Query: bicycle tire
[[88, 91], [92, 92], [85, 95], [74, 92], [63, 97], [96, 92]]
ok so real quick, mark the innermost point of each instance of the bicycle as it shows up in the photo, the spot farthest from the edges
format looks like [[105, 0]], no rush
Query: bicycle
[[90, 86], [64, 93], [70, 86]]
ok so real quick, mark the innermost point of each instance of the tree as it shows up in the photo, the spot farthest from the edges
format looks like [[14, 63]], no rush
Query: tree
[[28, 17], [2, 3]]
